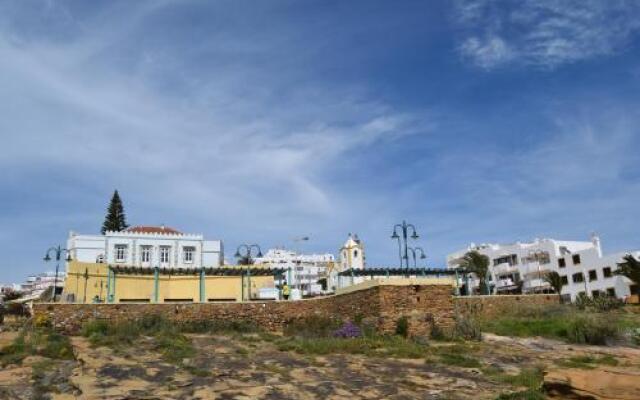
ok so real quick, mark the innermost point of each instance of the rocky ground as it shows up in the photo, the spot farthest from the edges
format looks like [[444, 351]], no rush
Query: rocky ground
[[251, 367]]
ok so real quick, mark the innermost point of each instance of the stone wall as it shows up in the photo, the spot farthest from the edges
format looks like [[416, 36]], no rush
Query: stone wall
[[382, 305], [492, 306]]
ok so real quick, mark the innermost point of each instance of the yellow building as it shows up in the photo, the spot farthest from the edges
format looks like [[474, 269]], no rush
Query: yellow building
[[94, 282]]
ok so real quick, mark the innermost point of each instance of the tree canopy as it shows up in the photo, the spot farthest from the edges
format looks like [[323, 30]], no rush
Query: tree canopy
[[115, 219], [554, 280], [630, 268], [477, 264]]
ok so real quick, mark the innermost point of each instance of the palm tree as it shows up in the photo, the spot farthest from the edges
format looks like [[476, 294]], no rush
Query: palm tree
[[477, 264], [630, 268], [554, 280]]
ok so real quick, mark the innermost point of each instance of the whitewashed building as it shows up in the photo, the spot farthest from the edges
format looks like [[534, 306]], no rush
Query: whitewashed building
[[147, 246], [304, 271], [352, 256], [522, 266], [36, 285]]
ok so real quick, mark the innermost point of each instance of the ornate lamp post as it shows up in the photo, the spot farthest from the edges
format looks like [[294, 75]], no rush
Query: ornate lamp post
[[402, 240], [247, 254], [58, 252], [413, 251], [247, 251]]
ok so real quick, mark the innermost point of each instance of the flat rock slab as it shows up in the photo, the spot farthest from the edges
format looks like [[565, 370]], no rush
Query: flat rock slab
[[600, 384]]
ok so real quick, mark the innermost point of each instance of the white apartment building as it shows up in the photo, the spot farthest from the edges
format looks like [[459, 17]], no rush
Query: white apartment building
[[522, 266], [304, 271], [147, 246], [35, 285]]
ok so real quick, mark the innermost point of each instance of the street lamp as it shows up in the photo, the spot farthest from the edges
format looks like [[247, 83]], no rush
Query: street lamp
[[413, 251], [58, 251], [247, 248], [402, 240]]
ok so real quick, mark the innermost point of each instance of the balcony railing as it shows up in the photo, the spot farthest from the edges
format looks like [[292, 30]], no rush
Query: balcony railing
[[534, 269], [504, 283], [534, 284], [504, 268]]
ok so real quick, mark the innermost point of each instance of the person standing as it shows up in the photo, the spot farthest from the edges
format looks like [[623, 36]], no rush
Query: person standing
[[285, 291]]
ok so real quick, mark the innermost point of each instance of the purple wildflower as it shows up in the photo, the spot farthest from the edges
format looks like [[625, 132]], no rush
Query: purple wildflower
[[348, 330]]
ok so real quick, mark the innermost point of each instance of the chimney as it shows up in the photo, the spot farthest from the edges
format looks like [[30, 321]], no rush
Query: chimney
[[595, 239]]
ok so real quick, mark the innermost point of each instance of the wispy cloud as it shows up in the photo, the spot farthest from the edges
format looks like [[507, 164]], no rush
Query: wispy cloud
[[544, 33], [228, 133]]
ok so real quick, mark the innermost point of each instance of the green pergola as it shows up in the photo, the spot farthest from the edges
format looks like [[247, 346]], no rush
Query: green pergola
[[241, 271]]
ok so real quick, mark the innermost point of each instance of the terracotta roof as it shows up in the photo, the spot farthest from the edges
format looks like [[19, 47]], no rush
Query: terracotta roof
[[153, 229]]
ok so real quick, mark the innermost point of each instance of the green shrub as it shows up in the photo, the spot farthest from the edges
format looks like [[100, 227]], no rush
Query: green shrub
[[36, 341], [591, 329], [380, 346], [402, 327], [57, 346], [602, 303], [529, 394], [219, 326], [588, 362], [168, 338], [467, 328], [312, 327], [562, 322], [459, 360], [531, 378], [17, 309]]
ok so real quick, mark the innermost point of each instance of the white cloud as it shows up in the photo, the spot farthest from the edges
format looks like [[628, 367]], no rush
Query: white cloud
[[545, 33], [230, 139], [487, 52]]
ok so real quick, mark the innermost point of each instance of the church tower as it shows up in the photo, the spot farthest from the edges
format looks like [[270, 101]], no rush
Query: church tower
[[352, 254]]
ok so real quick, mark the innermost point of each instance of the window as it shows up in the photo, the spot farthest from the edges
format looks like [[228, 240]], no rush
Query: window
[[121, 253], [145, 254], [576, 259], [355, 254], [611, 292], [564, 279], [595, 293], [541, 257], [606, 272], [188, 254], [511, 259], [593, 275], [577, 278], [164, 254], [562, 263]]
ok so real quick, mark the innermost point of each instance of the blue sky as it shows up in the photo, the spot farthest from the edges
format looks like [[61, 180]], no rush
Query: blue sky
[[261, 121]]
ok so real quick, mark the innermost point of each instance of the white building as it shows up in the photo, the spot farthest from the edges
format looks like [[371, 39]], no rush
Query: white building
[[305, 271], [581, 265], [35, 285], [351, 256], [147, 246]]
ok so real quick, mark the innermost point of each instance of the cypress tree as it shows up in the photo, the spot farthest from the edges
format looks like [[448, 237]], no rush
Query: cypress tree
[[115, 219]]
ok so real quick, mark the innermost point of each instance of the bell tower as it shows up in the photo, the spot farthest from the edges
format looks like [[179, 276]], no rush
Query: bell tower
[[352, 253]]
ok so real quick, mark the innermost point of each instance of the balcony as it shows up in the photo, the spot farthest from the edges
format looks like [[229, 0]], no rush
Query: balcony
[[500, 283], [534, 269], [535, 285], [504, 268]]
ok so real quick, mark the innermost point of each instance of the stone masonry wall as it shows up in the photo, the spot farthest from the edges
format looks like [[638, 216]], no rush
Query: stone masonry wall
[[492, 306], [382, 305]]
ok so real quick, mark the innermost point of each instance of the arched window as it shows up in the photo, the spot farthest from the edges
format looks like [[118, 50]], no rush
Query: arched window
[[355, 254]]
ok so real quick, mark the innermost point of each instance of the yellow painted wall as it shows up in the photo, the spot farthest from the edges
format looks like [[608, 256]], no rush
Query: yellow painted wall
[[141, 287]]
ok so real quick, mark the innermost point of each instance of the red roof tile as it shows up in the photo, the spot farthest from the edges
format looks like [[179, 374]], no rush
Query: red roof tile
[[153, 229]]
